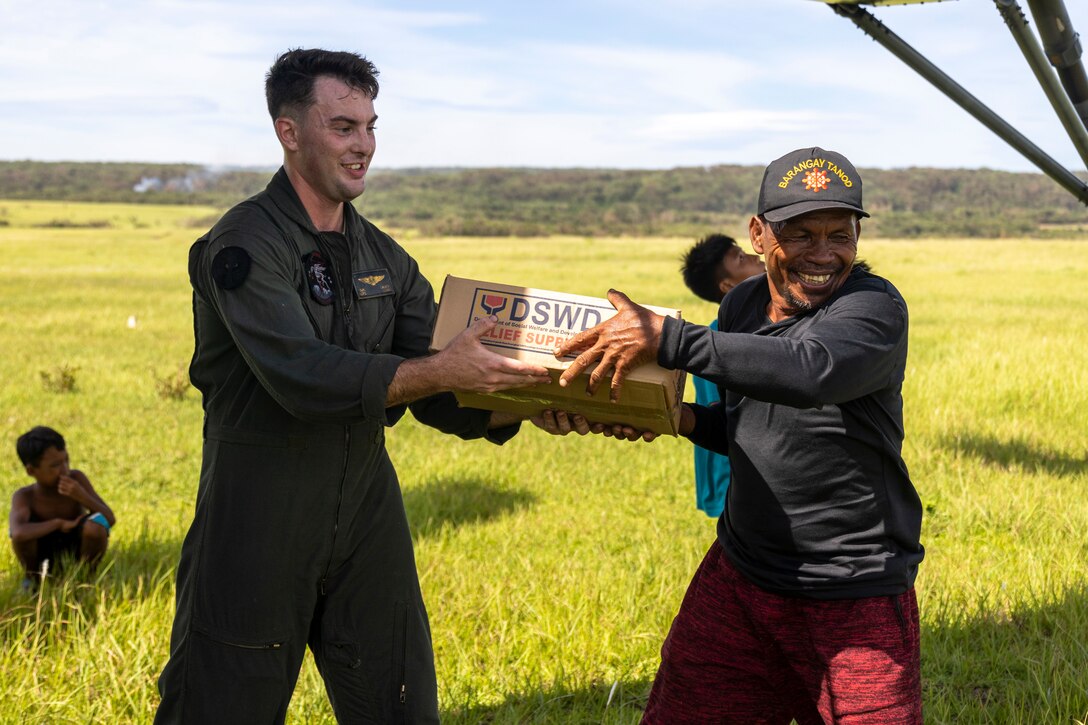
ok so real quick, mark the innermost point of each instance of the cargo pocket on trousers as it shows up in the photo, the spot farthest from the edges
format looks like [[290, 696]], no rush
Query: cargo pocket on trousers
[[253, 671], [377, 680], [343, 654], [354, 695], [272, 644]]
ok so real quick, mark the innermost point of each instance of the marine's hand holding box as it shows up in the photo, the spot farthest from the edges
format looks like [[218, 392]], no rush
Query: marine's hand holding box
[[532, 322]]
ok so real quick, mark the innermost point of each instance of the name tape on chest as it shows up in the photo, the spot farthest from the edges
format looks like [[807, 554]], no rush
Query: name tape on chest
[[372, 283]]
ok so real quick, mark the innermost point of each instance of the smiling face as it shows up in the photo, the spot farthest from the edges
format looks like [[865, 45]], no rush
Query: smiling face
[[328, 149], [808, 259], [50, 467]]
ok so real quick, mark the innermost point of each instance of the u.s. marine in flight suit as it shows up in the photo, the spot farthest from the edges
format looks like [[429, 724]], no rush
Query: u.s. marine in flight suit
[[312, 329]]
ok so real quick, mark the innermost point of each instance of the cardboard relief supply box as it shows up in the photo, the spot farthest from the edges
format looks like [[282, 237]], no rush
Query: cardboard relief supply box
[[532, 323]]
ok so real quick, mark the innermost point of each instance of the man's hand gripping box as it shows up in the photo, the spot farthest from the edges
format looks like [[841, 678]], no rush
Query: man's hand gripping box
[[534, 322]]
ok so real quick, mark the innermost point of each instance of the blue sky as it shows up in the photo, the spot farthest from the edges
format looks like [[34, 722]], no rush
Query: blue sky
[[588, 83]]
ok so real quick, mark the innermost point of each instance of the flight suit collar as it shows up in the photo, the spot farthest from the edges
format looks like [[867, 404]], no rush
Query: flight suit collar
[[284, 196]]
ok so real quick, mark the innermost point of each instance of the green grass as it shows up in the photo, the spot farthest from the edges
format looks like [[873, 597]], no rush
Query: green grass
[[552, 568]]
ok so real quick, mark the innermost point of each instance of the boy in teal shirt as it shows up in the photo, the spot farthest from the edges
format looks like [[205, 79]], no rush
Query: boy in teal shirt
[[711, 268]]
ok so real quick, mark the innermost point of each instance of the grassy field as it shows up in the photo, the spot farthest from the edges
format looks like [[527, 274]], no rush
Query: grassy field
[[552, 568]]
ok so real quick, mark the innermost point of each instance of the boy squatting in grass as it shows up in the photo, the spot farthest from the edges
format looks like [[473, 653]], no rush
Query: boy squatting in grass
[[60, 513]]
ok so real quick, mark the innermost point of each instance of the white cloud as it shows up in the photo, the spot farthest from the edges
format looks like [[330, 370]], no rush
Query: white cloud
[[596, 83], [654, 79], [716, 124]]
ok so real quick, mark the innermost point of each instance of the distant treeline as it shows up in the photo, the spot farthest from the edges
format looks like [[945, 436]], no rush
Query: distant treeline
[[689, 202]]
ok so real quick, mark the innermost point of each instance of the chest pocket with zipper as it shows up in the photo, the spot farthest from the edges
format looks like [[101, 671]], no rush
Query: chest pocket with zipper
[[366, 325], [374, 323], [363, 324]]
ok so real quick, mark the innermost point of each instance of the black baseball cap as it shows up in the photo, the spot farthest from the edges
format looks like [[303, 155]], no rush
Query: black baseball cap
[[808, 180]]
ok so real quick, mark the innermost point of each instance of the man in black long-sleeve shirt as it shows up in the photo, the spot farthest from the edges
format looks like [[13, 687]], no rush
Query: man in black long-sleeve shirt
[[804, 607]]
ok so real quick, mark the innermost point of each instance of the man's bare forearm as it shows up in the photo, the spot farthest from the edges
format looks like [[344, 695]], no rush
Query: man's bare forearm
[[500, 420], [464, 364], [687, 420], [416, 378]]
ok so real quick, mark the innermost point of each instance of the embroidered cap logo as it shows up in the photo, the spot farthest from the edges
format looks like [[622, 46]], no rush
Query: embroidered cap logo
[[816, 180]]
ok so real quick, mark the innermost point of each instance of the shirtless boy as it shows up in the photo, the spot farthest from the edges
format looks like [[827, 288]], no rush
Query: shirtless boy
[[59, 513]]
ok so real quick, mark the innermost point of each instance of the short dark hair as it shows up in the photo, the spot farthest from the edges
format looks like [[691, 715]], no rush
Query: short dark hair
[[289, 83], [702, 266], [35, 442]]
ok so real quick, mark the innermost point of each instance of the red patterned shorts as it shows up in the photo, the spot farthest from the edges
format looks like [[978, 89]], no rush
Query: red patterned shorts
[[739, 654]]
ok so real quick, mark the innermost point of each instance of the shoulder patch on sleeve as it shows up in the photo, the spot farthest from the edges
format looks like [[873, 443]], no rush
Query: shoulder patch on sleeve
[[230, 267]]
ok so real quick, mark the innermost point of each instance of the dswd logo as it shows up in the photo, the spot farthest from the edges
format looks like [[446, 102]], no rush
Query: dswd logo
[[493, 304]]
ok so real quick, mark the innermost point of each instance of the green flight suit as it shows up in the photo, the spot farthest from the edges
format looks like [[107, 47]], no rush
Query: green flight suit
[[299, 535]]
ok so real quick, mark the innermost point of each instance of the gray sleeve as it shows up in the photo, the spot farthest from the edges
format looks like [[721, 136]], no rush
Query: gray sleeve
[[857, 346]]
